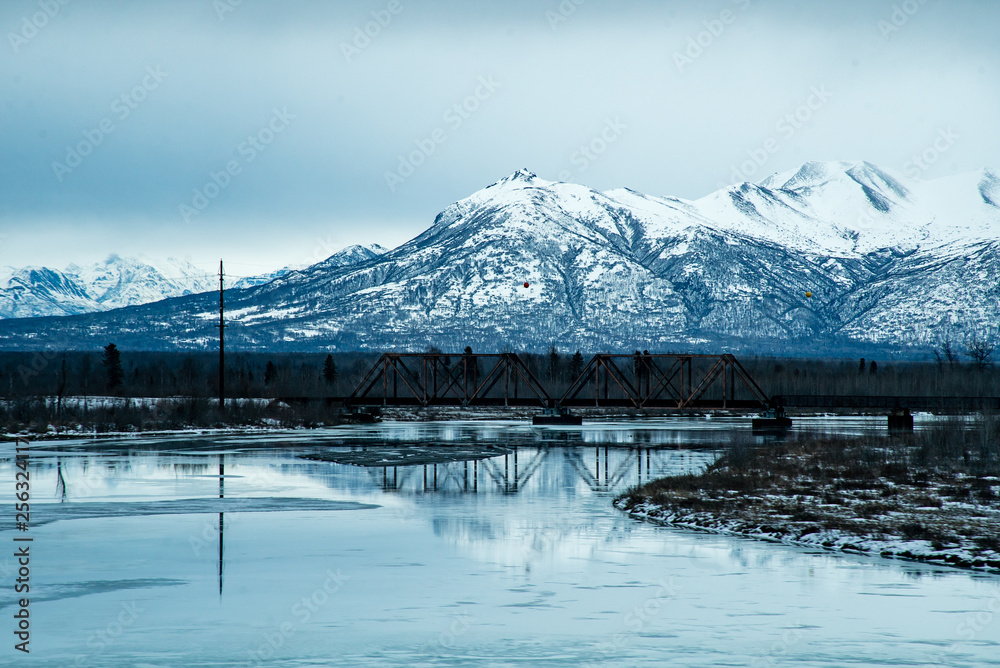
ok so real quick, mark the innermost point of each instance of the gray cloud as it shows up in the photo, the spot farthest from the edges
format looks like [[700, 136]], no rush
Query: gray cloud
[[697, 89]]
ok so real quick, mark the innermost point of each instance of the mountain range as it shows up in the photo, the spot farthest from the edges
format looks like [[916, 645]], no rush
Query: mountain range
[[828, 257], [32, 292]]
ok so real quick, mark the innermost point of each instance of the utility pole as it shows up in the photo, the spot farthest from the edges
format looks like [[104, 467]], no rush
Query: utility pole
[[222, 344]]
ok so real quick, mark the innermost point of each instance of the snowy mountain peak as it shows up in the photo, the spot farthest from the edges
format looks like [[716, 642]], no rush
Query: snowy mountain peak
[[813, 175], [871, 176], [808, 174], [508, 190], [354, 255], [522, 175], [522, 178]]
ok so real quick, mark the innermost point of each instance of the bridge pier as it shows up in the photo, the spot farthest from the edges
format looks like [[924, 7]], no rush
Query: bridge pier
[[900, 421], [556, 416], [773, 419]]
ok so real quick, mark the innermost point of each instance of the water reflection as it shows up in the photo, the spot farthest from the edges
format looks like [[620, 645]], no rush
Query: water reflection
[[222, 520], [601, 469], [523, 546]]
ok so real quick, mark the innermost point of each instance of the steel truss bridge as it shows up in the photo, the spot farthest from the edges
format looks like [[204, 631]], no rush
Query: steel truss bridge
[[662, 382], [678, 382]]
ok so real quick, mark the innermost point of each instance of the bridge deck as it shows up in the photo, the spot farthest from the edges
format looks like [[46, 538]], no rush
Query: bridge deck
[[913, 403], [810, 401]]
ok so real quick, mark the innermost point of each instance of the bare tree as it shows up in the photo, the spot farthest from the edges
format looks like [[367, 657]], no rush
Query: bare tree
[[979, 347], [945, 351]]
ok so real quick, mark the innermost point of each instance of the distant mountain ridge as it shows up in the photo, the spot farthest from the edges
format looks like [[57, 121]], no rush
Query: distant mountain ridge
[[28, 292], [117, 282], [828, 256]]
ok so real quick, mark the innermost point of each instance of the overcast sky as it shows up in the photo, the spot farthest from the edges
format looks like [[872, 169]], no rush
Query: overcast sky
[[277, 132]]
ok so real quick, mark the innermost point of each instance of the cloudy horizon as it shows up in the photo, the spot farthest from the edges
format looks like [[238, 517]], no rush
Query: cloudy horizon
[[270, 134]]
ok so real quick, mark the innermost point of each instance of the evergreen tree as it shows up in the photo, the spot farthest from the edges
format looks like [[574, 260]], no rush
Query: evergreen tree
[[112, 362], [270, 373], [471, 368], [61, 390], [330, 370], [553, 362], [873, 369], [576, 365]]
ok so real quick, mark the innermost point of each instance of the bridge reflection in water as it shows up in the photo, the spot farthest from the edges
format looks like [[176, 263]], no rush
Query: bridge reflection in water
[[601, 469]]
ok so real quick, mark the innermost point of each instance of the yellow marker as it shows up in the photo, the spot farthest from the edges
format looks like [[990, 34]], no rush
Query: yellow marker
[[809, 295]]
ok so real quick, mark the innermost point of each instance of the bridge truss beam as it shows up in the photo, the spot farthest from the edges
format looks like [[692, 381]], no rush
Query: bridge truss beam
[[665, 381], [438, 379]]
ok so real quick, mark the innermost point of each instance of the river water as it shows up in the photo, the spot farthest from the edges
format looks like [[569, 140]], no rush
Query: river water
[[517, 559]]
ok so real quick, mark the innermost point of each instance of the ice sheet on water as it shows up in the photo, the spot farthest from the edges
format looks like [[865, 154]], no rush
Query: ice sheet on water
[[58, 592], [54, 512]]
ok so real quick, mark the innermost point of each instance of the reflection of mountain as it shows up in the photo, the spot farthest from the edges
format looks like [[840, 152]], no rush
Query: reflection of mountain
[[532, 540]]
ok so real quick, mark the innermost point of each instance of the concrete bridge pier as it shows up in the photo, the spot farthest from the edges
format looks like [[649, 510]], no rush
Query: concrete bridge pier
[[556, 416], [900, 421], [772, 420]]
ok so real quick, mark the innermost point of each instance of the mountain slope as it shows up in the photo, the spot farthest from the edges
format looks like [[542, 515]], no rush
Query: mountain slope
[[114, 283], [32, 291], [887, 261], [125, 281]]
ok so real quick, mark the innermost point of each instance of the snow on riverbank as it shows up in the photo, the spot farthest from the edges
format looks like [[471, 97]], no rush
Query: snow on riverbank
[[932, 497], [967, 554]]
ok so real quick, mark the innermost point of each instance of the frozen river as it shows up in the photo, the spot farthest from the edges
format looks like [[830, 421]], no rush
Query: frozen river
[[514, 559]]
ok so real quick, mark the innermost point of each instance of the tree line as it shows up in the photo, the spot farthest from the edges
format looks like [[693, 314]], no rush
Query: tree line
[[115, 372]]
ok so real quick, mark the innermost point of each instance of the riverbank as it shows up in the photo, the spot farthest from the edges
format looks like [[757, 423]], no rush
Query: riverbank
[[50, 417], [932, 497]]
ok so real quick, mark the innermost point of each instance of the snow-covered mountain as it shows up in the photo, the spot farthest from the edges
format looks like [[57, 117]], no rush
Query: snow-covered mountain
[[116, 282], [31, 292], [350, 255], [886, 261]]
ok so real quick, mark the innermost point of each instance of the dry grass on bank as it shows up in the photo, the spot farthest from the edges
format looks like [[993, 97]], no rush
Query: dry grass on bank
[[117, 415], [941, 486]]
